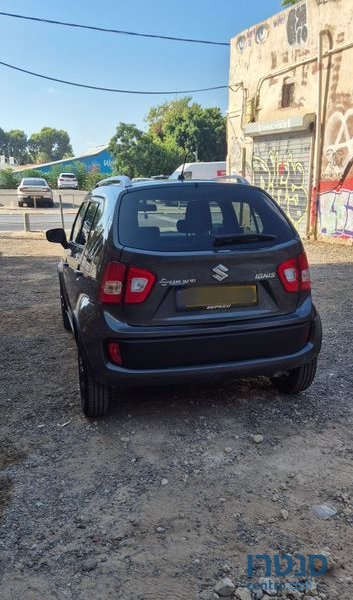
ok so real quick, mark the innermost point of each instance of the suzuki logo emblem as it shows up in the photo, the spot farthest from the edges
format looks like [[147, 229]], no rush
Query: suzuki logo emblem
[[220, 272]]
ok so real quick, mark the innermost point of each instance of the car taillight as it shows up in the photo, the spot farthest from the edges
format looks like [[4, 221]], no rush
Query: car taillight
[[111, 289], [129, 284], [138, 286], [295, 274]]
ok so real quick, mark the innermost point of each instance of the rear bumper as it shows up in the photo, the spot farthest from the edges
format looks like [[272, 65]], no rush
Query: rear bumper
[[179, 359], [40, 199]]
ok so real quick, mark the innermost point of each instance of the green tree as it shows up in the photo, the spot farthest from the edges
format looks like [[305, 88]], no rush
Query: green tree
[[3, 141], [139, 154], [51, 143], [16, 145], [289, 2], [200, 131]]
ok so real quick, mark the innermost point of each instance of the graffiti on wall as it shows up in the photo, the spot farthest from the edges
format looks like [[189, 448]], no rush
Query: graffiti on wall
[[285, 180], [338, 145], [258, 35], [335, 203], [335, 210], [297, 26]]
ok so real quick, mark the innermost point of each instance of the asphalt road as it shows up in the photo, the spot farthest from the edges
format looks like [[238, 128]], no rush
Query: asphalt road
[[38, 222], [70, 198], [43, 221]]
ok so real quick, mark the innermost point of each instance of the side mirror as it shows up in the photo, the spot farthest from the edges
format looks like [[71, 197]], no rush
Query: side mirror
[[57, 236]]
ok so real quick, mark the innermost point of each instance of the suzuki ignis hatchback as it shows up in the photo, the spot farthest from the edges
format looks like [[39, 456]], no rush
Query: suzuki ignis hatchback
[[167, 282]]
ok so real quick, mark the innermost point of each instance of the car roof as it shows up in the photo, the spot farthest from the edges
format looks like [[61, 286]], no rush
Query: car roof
[[145, 185]]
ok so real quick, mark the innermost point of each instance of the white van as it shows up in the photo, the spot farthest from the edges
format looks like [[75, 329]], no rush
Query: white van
[[201, 170]]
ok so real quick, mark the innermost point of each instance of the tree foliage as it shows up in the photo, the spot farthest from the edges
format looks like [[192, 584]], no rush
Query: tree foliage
[[16, 145], [174, 129], [3, 141], [139, 154], [46, 145], [200, 131], [289, 2], [50, 144]]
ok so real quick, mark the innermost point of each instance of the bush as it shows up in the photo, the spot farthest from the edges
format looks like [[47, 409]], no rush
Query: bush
[[93, 177], [9, 180]]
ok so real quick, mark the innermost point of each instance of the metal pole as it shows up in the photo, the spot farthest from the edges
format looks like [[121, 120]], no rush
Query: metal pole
[[26, 223], [61, 212], [318, 133]]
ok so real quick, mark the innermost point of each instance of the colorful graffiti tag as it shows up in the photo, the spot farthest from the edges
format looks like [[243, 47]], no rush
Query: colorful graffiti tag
[[335, 209], [335, 203], [285, 179]]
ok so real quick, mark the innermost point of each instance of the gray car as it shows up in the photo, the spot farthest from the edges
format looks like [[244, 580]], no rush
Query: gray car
[[34, 191], [167, 282]]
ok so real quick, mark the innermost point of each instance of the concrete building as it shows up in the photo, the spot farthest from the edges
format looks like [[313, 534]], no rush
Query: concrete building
[[288, 75], [96, 159]]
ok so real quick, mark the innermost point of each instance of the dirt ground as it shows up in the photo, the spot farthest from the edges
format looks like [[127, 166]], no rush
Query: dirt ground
[[169, 493]]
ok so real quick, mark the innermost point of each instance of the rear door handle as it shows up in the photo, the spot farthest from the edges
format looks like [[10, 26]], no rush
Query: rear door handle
[[78, 273]]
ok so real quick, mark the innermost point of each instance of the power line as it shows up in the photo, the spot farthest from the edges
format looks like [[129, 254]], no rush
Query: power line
[[116, 31], [105, 89]]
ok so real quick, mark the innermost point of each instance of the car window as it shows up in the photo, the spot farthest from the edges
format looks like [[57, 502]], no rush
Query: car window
[[182, 217], [87, 222], [41, 182], [76, 228], [248, 218], [95, 237]]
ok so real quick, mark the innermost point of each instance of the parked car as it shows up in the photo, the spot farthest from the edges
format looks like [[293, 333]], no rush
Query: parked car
[[34, 191], [155, 294], [67, 181], [200, 170]]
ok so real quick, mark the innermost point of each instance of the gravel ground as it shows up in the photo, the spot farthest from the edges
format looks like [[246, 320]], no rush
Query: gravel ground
[[170, 493]]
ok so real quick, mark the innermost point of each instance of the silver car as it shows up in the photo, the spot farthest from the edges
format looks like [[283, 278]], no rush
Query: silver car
[[67, 181], [34, 191]]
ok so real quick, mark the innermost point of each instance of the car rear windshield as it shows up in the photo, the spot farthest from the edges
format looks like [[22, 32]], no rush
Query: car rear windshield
[[68, 175], [199, 217], [33, 181]]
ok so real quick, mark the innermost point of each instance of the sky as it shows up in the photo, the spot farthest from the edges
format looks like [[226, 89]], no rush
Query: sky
[[109, 60]]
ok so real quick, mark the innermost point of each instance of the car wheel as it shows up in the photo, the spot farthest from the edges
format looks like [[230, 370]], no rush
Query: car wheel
[[20, 204], [65, 318], [296, 380], [95, 397]]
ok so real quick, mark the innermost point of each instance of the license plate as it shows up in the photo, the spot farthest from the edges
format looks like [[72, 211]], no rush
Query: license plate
[[216, 297]]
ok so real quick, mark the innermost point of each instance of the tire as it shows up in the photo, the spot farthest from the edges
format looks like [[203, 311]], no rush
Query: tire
[[20, 204], [297, 380], [95, 397], [65, 318]]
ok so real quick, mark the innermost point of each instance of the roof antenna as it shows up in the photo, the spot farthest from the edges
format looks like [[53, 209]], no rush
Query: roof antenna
[[181, 177]]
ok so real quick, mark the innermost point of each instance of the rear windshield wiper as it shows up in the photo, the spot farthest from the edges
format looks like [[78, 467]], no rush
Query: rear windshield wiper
[[242, 238]]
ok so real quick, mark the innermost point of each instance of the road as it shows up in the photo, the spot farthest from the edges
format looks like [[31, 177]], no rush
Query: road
[[38, 222], [70, 198], [42, 221]]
